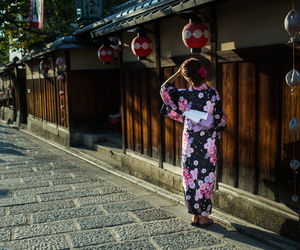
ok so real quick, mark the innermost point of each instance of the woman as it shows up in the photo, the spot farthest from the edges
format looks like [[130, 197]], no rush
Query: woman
[[200, 108]]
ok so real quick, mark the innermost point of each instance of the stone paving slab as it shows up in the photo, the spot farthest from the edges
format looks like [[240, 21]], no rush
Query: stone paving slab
[[17, 165], [118, 197], [15, 184], [126, 206], [63, 214], [225, 246], [63, 181], [194, 239], [13, 220], [43, 190], [52, 166], [39, 207], [153, 214], [86, 185], [87, 174], [2, 211], [151, 229], [129, 245], [88, 238], [4, 234], [47, 178], [26, 174], [22, 169], [68, 195], [4, 183], [109, 190], [13, 156], [13, 201], [51, 242], [75, 172], [4, 193], [44, 229], [104, 221]]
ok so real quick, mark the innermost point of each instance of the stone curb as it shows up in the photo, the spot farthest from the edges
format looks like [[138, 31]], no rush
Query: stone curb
[[253, 231]]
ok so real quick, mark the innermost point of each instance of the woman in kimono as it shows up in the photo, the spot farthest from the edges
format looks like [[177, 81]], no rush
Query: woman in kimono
[[200, 109]]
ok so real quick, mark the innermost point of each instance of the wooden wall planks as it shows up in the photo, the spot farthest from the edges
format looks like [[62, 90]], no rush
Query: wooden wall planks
[[256, 145], [229, 145], [94, 95], [43, 100]]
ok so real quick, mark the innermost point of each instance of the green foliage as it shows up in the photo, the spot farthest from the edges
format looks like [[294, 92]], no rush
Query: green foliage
[[4, 50], [59, 20], [59, 15]]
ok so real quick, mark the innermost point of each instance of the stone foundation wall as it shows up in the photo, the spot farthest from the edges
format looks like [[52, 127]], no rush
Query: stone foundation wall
[[255, 209], [7, 115], [48, 130]]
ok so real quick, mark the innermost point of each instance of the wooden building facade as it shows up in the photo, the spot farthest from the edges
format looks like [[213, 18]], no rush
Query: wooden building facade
[[248, 63], [81, 103], [12, 94], [247, 57]]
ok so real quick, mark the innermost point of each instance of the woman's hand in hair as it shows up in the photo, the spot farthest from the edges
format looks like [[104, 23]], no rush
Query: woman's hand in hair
[[172, 77]]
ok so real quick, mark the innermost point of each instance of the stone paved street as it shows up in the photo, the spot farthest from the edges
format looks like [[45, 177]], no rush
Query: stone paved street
[[52, 200]]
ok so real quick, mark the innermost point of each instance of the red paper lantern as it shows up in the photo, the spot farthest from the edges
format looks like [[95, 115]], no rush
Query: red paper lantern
[[45, 65], [141, 46], [195, 35], [105, 54]]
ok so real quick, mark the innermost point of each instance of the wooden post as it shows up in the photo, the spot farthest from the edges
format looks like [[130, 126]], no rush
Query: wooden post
[[159, 75], [68, 93], [32, 89], [123, 103], [214, 70], [55, 89]]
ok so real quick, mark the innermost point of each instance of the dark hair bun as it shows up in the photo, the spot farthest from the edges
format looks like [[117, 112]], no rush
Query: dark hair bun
[[189, 69]]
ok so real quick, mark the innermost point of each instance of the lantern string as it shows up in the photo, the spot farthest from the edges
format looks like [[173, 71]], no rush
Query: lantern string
[[293, 109], [294, 54]]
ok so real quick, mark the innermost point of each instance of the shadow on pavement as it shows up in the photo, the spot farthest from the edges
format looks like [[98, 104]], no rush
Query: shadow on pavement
[[10, 149], [5, 193]]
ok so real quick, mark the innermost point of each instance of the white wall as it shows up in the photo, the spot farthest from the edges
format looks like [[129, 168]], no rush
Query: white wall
[[171, 38], [128, 55], [243, 24], [86, 59], [33, 71]]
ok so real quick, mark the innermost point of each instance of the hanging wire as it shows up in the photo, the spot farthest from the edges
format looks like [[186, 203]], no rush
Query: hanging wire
[[294, 54], [293, 4], [294, 111]]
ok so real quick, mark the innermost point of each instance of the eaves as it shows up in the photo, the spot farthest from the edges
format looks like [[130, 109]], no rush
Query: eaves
[[133, 17]]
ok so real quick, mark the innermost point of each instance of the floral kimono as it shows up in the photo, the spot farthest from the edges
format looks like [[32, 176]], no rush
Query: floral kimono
[[199, 142]]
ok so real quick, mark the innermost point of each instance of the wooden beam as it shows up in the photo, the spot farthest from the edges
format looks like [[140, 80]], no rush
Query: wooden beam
[[159, 75], [270, 52], [68, 93], [123, 98]]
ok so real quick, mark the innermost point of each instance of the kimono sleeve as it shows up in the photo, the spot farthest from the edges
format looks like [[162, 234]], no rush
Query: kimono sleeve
[[171, 96], [220, 118]]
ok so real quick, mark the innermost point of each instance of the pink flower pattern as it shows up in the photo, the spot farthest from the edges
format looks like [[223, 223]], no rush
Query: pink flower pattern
[[199, 147], [183, 104], [209, 107]]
